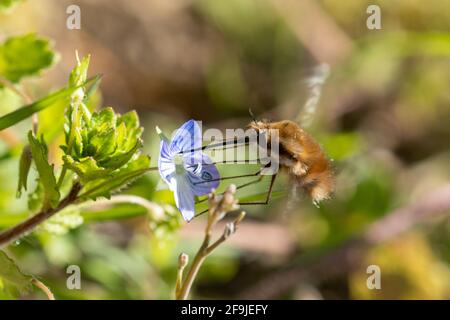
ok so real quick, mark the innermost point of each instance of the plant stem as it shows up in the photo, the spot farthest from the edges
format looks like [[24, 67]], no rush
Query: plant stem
[[153, 209], [61, 176], [196, 264], [44, 289], [28, 225], [218, 208]]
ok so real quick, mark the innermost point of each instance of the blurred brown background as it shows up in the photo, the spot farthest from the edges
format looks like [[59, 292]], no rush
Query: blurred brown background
[[383, 117]]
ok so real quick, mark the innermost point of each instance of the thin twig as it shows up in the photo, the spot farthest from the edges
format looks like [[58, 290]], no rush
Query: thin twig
[[44, 289], [28, 225], [218, 208], [155, 210]]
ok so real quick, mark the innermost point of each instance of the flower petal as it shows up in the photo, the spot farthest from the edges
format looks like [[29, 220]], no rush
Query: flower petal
[[187, 137], [206, 179], [165, 162], [184, 197]]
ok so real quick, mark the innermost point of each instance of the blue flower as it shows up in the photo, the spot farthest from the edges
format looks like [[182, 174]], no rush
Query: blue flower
[[185, 168]]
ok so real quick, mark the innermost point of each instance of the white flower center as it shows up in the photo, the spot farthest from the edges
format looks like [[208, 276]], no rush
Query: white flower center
[[179, 164]]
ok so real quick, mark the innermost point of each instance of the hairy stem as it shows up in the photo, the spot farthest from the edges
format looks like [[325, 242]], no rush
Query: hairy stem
[[218, 208], [44, 289], [28, 225], [196, 264], [156, 212]]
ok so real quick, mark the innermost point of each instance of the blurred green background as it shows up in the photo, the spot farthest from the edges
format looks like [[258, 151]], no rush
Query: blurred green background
[[383, 117]]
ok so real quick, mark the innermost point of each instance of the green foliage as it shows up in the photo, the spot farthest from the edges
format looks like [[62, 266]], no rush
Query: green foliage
[[24, 56], [167, 226], [341, 145], [24, 169], [102, 144], [46, 175], [63, 221], [36, 197], [99, 146], [8, 4], [113, 181], [26, 111], [12, 280], [79, 73]]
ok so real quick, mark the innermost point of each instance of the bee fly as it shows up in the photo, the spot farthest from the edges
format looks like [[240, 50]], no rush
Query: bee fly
[[299, 155]]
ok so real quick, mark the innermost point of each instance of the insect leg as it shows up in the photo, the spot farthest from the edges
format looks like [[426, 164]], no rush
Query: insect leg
[[241, 186], [268, 197], [238, 187], [231, 177], [235, 142]]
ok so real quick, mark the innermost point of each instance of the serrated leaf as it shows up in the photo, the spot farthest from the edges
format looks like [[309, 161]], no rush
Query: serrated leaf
[[12, 278], [24, 169], [26, 111], [121, 158], [78, 75], [86, 169], [130, 119], [103, 143], [134, 131], [45, 170], [121, 134], [103, 121], [24, 56], [118, 179]]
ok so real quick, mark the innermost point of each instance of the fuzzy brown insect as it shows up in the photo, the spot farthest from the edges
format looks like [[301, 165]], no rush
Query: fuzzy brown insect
[[302, 157]]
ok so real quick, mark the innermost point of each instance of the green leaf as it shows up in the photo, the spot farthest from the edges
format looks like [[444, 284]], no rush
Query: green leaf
[[24, 56], [79, 74], [117, 180], [103, 143], [12, 278], [86, 168], [130, 119], [36, 198], [121, 159], [8, 4], [45, 170], [103, 121], [18, 115], [24, 169]]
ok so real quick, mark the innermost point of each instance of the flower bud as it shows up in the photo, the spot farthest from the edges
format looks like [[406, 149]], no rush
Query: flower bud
[[240, 218], [183, 260], [230, 228]]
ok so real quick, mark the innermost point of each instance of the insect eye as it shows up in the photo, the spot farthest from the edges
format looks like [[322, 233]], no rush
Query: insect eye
[[206, 176]]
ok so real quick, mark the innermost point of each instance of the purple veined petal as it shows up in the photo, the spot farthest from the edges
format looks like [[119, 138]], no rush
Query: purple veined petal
[[205, 175], [186, 138], [184, 196], [198, 159], [165, 162]]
